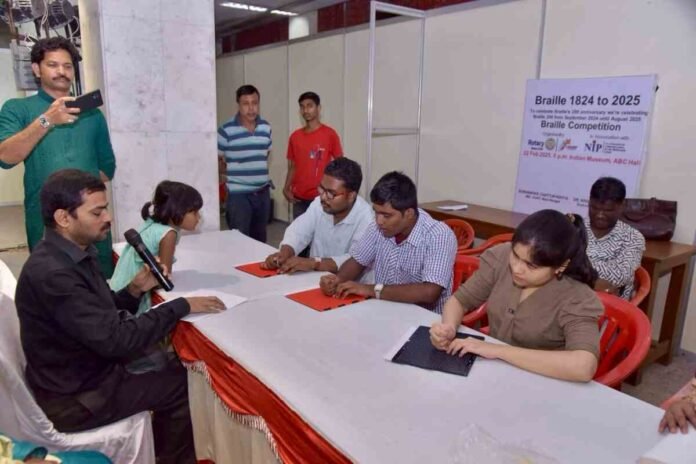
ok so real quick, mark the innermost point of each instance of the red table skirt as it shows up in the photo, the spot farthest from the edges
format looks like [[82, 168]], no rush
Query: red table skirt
[[245, 394]]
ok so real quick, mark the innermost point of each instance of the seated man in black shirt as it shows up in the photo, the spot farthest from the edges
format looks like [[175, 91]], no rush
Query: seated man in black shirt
[[76, 333]]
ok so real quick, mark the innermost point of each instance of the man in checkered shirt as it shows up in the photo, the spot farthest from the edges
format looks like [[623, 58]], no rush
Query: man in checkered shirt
[[411, 253]]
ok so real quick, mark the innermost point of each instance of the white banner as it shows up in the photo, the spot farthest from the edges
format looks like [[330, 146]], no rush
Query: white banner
[[577, 130]]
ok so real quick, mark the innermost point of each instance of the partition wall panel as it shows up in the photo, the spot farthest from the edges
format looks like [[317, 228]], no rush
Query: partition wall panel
[[477, 62], [230, 75], [267, 70], [317, 66]]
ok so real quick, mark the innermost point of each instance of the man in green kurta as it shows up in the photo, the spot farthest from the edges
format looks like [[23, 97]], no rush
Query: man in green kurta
[[48, 136]]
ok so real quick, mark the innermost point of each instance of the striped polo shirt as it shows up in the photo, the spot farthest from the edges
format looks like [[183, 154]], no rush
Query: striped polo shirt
[[246, 154]]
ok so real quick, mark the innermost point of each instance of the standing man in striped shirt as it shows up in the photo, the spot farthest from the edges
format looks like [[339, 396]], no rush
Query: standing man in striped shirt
[[244, 143]]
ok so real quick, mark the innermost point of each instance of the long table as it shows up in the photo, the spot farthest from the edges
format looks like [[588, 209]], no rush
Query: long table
[[659, 259], [331, 389]]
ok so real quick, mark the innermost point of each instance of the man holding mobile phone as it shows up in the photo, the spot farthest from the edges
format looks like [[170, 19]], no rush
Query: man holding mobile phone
[[46, 135]]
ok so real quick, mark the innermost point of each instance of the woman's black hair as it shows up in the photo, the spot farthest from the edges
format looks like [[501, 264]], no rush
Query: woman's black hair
[[555, 238], [171, 202]]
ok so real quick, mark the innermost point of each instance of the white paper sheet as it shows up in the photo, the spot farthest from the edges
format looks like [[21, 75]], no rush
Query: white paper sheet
[[674, 448], [230, 300], [453, 207]]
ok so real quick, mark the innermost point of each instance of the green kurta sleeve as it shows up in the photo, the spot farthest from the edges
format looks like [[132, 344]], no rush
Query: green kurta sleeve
[[105, 152], [12, 119]]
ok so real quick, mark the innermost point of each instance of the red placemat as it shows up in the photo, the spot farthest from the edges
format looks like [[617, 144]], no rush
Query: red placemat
[[255, 269], [316, 299]]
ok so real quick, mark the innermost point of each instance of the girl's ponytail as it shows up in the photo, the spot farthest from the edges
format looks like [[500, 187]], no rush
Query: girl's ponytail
[[145, 212], [580, 267]]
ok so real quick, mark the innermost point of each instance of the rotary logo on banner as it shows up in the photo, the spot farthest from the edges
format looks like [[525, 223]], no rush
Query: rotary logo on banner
[[577, 130]]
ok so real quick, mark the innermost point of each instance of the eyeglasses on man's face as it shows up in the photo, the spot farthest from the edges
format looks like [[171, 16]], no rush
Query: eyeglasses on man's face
[[329, 194]]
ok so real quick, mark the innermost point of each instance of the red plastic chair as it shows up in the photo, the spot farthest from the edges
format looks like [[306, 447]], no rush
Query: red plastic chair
[[464, 267], [624, 342], [477, 319], [491, 242], [222, 192], [641, 286], [623, 345], [463, 231]]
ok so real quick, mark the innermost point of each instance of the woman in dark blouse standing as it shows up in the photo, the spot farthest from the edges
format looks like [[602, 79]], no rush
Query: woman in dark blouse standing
[[540, 300]]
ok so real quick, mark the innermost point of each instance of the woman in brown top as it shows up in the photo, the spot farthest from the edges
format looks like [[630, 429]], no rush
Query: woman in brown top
[[540, 300]]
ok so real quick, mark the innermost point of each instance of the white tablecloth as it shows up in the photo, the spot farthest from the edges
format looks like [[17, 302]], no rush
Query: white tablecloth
[[329, 367]]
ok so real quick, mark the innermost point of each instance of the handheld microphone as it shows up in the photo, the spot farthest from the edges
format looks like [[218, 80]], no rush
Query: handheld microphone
[[133, 238]]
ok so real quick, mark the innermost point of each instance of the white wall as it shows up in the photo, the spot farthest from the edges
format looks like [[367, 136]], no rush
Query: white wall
[[229, 77], [477, 59], [11, 180], [156, 63], [477, 64]]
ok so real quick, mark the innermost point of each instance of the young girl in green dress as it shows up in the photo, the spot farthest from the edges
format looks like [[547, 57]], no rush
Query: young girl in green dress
[[175, 206]]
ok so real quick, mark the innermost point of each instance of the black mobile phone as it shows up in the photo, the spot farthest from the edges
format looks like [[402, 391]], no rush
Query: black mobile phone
[[87, 101]]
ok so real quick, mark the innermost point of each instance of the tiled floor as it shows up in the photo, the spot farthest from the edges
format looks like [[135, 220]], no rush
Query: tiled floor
[[659, 382]]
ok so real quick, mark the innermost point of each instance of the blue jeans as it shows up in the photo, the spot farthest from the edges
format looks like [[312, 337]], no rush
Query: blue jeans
[[248, 212]]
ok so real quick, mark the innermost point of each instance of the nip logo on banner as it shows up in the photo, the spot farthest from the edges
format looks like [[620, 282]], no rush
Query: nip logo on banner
[[594, 147], [550, 143]]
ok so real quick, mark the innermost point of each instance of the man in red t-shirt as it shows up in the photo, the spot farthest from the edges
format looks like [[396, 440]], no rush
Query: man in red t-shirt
[[310, 149]]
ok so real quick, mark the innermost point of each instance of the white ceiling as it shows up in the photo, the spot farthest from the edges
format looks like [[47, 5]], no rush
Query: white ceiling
[[225, 15], [231, 18]]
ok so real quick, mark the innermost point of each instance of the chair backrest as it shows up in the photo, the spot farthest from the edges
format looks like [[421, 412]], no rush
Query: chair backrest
[[491, 242], [8, 283], [624, 342], [21, 417], [641, 286], [463, 231], [10, 344], [127, 441], [477, 319], [464, 267]]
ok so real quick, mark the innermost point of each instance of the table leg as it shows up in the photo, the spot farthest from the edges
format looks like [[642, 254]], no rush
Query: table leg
[[679, 329], [677, 282], [648, 304]]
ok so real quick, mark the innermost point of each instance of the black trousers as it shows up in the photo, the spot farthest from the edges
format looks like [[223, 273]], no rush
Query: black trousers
[[298, 209], [164, 392], [248, 212]]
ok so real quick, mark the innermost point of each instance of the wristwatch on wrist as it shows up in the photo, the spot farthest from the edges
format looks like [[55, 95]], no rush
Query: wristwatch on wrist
[[45, 123], [317, 263], [378, 290]]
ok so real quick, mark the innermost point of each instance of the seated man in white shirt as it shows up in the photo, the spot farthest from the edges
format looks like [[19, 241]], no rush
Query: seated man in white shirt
[[615, 249], [334, 220]]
